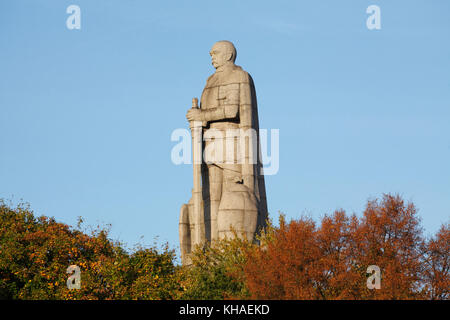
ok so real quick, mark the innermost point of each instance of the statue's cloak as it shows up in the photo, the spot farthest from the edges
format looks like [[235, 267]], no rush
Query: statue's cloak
[[234, 86]]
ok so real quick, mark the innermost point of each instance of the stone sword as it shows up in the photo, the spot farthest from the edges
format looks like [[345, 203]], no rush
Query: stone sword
[[196, 131]]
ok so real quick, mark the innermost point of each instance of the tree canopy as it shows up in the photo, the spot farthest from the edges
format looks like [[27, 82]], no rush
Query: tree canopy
[[298, 259]]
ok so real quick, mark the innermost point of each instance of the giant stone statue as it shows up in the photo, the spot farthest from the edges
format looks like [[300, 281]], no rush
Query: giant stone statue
[[229, 195]]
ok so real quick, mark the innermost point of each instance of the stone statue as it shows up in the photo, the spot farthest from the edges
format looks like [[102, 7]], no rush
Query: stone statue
[[229, 192]]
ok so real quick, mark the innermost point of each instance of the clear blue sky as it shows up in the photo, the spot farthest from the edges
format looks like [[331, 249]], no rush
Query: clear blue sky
[[86, 115]]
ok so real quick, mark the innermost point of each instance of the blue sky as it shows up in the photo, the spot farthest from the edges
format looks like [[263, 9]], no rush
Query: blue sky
[[86, 115]]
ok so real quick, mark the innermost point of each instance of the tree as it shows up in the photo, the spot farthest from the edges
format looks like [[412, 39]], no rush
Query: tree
[[299, 260], [284, 267], [336, 276], [36, 252], [390, 237], [216, 271], [436, 274]]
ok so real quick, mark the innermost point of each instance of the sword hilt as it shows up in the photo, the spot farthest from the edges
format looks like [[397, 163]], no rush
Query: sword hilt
[[194, 103]]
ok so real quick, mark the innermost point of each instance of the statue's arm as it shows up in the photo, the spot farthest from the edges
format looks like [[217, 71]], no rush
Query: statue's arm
[[220, 113], [233, 96]]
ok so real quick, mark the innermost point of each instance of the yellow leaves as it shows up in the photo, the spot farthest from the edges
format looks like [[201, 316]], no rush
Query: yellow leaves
[[43, 250]]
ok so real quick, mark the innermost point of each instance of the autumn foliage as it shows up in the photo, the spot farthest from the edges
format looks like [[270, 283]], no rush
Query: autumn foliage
[[36, 252], [298, 259]]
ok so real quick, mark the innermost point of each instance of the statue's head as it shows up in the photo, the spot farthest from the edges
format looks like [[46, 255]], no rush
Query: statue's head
[[222, 53]]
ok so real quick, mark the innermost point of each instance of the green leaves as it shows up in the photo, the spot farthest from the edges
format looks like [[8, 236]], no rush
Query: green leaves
[[299, 259], [35, 254]]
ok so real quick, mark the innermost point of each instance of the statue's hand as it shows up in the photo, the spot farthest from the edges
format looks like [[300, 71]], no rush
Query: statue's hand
[[194, 114]]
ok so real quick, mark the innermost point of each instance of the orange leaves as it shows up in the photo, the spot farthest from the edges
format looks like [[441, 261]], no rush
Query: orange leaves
[[302, 261], [286, 266], [297, 262], [390, 237], [437, 265]]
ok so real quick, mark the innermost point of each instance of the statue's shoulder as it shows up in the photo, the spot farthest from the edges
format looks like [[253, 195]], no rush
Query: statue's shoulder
[[238, 75], [210, 77], [211, 81], [235, 75]]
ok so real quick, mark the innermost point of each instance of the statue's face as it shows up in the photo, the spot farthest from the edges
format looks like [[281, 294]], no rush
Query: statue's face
[[219, 55]]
